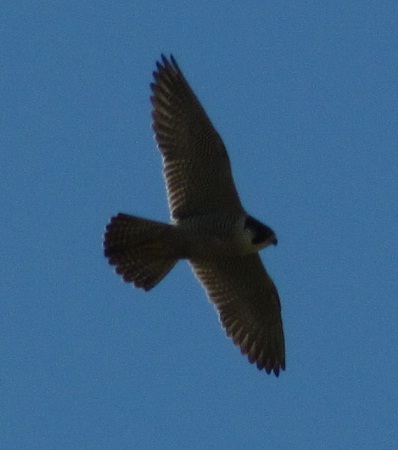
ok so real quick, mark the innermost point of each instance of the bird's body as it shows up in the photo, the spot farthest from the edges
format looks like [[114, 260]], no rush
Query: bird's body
[[209, 226], [217, 234]]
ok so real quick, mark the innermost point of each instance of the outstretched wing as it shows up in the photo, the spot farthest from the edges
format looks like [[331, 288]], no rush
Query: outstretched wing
[[195, 162], [248, 305]]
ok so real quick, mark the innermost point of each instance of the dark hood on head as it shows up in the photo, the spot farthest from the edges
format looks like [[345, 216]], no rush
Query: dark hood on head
[[261, 232]]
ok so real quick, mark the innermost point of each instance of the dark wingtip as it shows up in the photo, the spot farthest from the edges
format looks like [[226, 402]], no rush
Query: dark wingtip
[[272, 366], [164, 59], [166, 62], [173, 61]]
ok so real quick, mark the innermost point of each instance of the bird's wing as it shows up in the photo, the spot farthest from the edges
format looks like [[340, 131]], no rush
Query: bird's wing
[[248, 305], [195, 162]]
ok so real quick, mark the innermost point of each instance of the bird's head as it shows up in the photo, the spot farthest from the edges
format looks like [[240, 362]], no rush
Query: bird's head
[[260, 235]]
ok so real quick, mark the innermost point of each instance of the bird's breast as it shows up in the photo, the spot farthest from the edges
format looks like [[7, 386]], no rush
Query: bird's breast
[[211, 236]]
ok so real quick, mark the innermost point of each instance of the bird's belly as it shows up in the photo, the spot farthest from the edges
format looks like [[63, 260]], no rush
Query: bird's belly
[[209, 247], [211, 236]]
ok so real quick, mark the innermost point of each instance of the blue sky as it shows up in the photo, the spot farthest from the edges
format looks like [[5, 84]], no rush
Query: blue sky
[[304, 95]]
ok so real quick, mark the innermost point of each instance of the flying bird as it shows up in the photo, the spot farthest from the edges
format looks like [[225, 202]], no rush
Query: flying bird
[[209, 226]]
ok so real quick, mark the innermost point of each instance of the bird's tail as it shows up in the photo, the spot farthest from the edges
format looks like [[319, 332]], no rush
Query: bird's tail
[[142, 250]]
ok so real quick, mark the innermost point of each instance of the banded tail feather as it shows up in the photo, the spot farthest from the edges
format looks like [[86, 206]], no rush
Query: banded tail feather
[[141, 249]]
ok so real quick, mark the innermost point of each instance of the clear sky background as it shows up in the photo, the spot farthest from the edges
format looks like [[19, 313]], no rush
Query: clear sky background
[[305, 96]]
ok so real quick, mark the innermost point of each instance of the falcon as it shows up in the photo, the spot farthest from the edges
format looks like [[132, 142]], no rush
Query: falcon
[[209, 226]]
